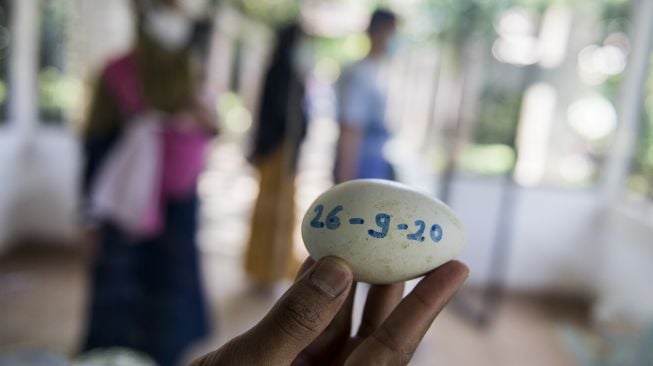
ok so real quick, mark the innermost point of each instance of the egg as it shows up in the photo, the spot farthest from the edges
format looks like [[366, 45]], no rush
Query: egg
[[386, 231]]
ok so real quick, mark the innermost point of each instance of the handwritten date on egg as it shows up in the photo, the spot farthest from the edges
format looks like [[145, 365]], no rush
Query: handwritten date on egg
[[382, 224]]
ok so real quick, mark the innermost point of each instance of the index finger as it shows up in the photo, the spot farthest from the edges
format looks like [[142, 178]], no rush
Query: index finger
[[400, 334]]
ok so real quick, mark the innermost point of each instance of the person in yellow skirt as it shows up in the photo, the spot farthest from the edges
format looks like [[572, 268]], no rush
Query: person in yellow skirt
[[281, 128]]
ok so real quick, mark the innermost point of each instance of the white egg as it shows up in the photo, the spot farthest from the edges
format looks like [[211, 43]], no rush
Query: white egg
[[386, 231]]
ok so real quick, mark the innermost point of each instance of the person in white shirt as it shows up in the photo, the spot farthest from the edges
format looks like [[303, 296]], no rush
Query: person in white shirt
[[361, 108]]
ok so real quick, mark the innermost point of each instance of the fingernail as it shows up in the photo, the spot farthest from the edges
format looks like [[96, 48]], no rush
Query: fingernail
[[330, 277]]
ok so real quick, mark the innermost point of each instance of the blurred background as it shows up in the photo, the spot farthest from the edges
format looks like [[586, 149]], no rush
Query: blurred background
[[533, 119]]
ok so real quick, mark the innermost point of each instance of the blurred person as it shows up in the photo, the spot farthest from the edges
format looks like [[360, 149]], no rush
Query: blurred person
[[361, 107], [311, 323], [281, 129], [144, 143]]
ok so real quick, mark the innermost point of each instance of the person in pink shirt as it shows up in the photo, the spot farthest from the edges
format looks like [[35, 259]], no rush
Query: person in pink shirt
[[146, 293]]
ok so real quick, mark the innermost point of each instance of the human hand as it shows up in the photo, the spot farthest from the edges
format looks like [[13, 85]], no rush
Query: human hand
[[310, 324]]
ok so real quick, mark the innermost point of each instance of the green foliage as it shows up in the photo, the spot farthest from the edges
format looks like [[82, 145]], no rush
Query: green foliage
[[454, 21], [57, 92], [271, 12], [641, 178], [490, 159], [498, 117]]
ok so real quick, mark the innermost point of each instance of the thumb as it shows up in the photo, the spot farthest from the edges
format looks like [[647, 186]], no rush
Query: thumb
[[303, 312]]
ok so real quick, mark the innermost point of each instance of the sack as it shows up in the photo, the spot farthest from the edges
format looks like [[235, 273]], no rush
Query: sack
[[127, 188]]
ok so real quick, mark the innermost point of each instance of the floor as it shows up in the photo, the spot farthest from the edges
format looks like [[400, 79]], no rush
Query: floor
[[43, 291]]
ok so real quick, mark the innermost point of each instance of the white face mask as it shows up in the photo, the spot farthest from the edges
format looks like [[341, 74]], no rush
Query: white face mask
[[169, 28]]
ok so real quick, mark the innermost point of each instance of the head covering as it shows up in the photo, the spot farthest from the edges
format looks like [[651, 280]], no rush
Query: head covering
[[281, 111]]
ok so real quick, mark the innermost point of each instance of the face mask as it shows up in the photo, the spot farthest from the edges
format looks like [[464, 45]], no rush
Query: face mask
[[168, 27]]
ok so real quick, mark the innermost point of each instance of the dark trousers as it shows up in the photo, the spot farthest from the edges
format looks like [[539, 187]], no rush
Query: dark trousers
[[147, 294]]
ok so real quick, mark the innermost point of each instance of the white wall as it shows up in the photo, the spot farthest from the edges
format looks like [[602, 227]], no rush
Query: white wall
[[563, 241], [550, 247], [625, 272], [39, 195]]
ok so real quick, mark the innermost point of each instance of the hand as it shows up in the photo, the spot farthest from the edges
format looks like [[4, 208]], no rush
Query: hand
[[310, 324]]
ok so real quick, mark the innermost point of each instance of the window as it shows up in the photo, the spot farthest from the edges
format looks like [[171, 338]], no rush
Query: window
[[640, 182], [57, 90], [5, 40], [559, 110]]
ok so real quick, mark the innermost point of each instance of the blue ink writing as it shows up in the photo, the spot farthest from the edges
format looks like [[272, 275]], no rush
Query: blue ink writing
[[332, 221], [383, 221], [418, 234], [316, 223], [436, 233]]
